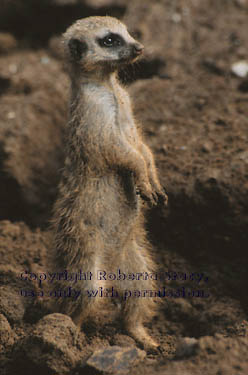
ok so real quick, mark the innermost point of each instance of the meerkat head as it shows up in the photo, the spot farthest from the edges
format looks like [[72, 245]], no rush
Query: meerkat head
[[100, 43]]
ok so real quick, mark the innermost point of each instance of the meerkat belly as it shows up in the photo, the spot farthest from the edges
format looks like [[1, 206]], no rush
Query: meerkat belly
[[105, 208]]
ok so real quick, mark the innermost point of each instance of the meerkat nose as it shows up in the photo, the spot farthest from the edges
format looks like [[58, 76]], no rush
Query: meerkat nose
[[138, 48]]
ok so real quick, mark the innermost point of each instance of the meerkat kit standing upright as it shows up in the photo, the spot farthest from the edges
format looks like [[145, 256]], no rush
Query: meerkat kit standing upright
[[108, 172]]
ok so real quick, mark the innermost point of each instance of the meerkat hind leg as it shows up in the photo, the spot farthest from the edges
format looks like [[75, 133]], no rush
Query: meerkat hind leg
[[136, 310], [134, 326]]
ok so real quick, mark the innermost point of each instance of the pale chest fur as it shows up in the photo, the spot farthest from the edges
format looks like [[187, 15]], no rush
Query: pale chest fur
[[125, 114], [109, 108]]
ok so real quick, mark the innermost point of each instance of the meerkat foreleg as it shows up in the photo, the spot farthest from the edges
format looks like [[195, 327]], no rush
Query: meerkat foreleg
[[124, 156], [152, 173]]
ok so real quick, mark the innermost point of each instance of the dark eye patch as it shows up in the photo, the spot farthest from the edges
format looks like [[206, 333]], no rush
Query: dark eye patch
[[77, 48], [111, 40]]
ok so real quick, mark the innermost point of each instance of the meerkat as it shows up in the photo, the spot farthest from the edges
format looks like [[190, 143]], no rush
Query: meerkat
[[108, 174]]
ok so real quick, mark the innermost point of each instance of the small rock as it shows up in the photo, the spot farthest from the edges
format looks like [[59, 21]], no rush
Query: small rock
[[6, 334], [163, 128], [11, 115], [207, 146], [44, 60], [13, 68], [186, 347], [243, 156], [240, 68], [176, 17], [55, 345], [115, 360]]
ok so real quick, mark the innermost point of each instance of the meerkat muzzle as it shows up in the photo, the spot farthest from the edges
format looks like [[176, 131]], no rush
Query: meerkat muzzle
[[138, 49]]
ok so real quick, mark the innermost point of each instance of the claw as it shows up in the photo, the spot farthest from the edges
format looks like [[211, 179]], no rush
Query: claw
[[151, 198], [155, 198], [162, 197]]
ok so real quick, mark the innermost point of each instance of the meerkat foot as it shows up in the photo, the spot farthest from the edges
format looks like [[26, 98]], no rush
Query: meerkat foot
[[139, 333]]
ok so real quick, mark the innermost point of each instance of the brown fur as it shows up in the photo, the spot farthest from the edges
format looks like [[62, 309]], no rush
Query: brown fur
[[98, 220]]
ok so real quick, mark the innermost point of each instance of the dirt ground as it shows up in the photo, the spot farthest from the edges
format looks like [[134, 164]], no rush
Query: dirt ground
[[194, 111]]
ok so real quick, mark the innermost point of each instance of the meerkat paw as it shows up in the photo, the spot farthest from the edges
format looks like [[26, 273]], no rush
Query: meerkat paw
[[147, 194], [151, 198], [139, 333], [161, 195]]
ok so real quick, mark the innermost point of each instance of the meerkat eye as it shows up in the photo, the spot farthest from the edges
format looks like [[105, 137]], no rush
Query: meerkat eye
[[111, 40]]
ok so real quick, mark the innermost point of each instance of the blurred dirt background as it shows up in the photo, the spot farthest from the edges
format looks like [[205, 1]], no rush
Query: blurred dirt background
[[194, 111]]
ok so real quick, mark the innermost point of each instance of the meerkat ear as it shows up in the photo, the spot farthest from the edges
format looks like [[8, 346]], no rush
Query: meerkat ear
[[77, 48]]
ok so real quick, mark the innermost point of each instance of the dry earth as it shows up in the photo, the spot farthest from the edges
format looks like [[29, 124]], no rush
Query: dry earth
[[194, 112]]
